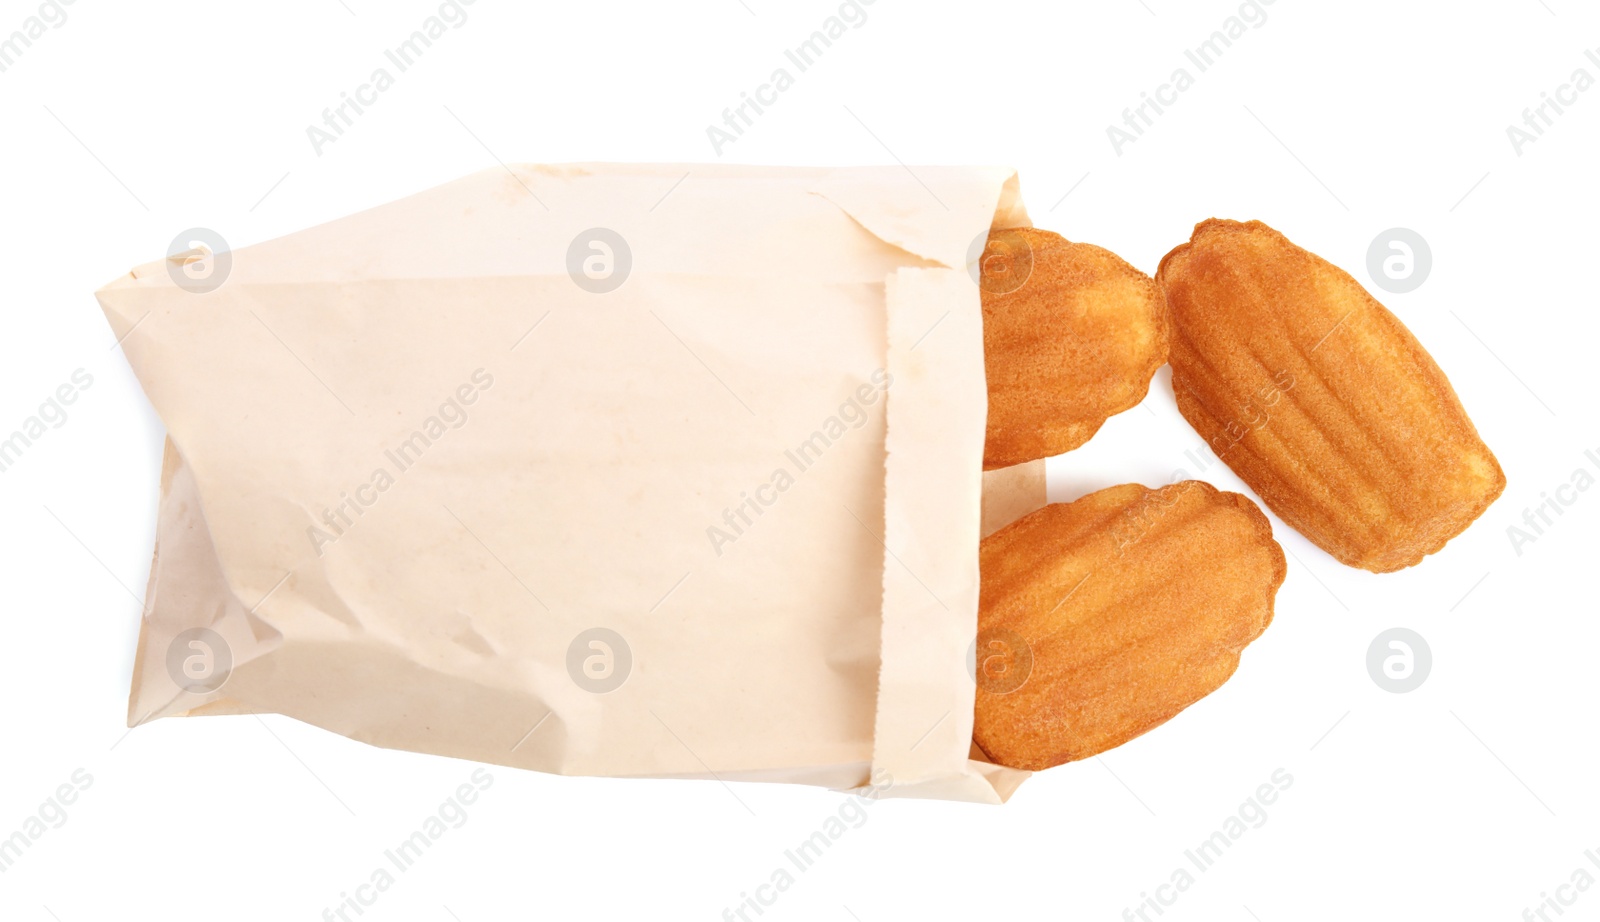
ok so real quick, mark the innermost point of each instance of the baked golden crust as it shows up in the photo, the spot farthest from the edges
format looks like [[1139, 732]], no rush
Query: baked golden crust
[[1320, 399], [1101, 619], [1071, 336]]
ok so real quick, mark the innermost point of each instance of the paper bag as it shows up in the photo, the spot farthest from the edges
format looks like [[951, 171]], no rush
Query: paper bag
[[669, 471]]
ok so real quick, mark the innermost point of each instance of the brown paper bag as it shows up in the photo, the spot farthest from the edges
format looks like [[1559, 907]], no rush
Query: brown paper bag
[[593, 469]]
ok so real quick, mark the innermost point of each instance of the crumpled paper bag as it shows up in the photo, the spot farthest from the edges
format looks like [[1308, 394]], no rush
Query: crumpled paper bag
[[643, 470]]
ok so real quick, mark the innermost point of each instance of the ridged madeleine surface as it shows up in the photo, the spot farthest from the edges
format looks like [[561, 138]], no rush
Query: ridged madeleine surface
[[1103, 618], [1071, 336], [1320, 399]]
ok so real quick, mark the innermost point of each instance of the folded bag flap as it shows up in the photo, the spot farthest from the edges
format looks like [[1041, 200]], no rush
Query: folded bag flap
[[935, 500]]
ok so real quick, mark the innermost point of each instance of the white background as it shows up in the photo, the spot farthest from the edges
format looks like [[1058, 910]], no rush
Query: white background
[[1465, 799]]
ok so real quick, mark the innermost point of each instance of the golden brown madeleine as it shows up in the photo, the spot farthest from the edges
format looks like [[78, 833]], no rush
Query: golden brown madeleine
[[1103, 618], [1320, 399], [1071, 336]]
